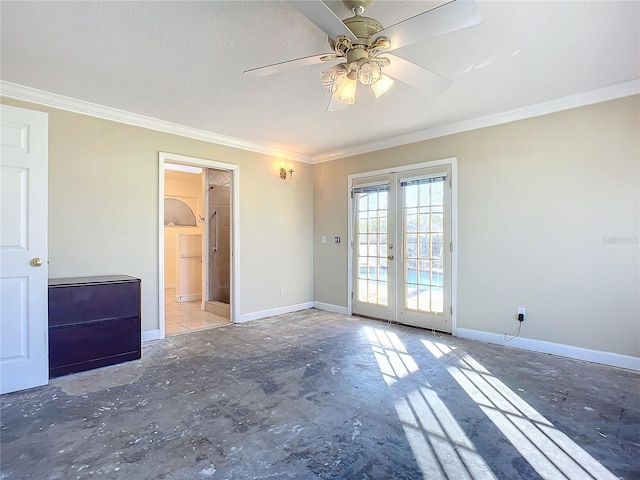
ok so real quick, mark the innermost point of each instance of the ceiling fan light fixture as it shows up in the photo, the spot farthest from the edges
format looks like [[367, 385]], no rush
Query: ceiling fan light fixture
[[341, 46], [346, 91], [332, 78], [369, 71], [382, 85], [381, 43]]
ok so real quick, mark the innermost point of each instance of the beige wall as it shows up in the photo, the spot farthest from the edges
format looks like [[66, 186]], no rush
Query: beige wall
[[103, 210], [537, 201], [189, 188]]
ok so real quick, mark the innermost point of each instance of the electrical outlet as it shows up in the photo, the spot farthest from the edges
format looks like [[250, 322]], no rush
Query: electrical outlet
[[521, 311], [281, 290]]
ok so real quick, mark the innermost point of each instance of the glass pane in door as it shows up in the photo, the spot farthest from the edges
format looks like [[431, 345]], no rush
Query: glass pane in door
[[371, 235], [423, 216]]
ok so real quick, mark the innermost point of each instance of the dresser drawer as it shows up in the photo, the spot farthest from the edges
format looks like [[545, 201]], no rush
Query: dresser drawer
[[94, 344]]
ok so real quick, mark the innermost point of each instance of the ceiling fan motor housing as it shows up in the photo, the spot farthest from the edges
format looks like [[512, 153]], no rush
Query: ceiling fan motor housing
[[363, 28]]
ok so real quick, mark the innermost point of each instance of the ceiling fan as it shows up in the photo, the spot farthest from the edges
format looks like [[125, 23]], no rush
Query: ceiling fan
[[361, 45]]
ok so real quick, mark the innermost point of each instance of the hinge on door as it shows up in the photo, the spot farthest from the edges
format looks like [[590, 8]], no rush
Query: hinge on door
[[450, 184], [351, 296], [451, 246], [451, 309]]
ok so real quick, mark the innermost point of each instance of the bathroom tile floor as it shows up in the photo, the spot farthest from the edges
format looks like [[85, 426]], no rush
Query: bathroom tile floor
[[187, 317]]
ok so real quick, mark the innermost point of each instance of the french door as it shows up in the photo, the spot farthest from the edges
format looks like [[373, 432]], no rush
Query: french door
[[402, 247]]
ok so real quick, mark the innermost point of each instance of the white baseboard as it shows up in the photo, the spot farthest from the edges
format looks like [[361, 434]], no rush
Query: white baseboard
[[150, 335], [188, 298], [328, 307], [246, 317], [579, 353]]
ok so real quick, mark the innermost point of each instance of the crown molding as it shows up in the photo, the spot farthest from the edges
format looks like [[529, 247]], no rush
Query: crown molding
[[40, 97], [32, 95], [612, 92]]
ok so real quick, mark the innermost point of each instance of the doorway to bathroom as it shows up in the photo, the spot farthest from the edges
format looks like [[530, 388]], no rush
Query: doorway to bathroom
[[218, 241], [198, 244]]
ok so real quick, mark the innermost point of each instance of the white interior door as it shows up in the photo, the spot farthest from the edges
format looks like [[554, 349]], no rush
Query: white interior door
[[401, 247], [24, 350]]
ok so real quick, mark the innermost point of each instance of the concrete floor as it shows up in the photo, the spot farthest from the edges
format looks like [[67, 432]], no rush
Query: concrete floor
[[315, 395]]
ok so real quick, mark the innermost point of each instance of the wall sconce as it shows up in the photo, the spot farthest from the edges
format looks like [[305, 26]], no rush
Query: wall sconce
[[284, 171]]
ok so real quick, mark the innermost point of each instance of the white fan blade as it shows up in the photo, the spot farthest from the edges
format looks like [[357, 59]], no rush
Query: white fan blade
[[335, 105], [323, 18], [284, 66], [446, 18], [426, 81]]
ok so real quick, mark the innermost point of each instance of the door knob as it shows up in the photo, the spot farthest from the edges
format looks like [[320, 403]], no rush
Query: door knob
[[36, 262], [390, 257]]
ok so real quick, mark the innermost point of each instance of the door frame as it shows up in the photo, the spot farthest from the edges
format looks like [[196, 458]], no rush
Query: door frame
[[452, 162], [235, 228]]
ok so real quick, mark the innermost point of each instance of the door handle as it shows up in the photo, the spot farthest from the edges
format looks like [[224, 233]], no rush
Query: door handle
[[36, 262], [390, 257]]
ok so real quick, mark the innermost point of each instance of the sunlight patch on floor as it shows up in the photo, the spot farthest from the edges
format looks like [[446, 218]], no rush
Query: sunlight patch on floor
[[549, 451], [392, 357], [439, 444]]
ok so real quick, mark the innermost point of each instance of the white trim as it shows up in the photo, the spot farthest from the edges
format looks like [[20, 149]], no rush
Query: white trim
[[451, 162], [578, 353], [328, 307], [612, 92], [161, 285], [40, 97], [246, 317], [235, 229], [149, 335], [403, 168], [454, 243]]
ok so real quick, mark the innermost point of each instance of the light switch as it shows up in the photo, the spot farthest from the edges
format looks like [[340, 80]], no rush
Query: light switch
[[324, 239]]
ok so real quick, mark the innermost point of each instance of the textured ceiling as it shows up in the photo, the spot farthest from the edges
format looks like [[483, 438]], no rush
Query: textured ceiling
[[183, 61]]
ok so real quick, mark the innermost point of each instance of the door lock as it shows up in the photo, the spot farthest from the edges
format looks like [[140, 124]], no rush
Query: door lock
[[390, 257]]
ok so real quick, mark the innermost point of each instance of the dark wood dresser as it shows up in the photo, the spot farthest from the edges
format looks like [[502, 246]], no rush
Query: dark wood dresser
[[93, 322]]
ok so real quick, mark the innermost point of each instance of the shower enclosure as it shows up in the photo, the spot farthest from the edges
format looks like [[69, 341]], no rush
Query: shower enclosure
[[218, 202]]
